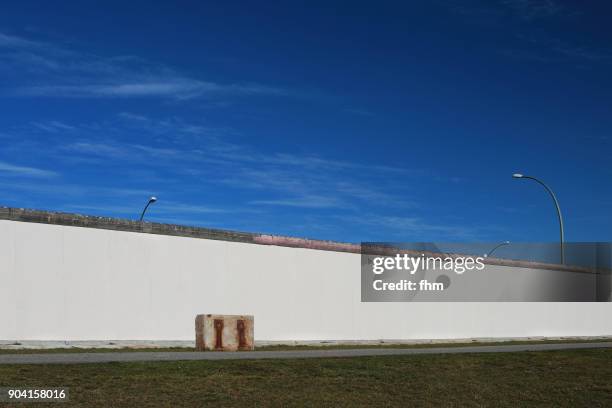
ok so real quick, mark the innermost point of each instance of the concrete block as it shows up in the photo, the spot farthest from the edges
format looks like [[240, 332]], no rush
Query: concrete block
[[224, 332]]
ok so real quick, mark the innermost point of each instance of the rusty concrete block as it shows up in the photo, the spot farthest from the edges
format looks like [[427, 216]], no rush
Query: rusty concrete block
[[224, 332]]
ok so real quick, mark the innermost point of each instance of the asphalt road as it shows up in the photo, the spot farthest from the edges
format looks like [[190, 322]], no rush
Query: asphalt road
[[84, 358]]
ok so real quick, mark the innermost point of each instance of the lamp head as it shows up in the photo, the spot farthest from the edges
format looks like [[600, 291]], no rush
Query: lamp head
[[152, 199], [517, 175]]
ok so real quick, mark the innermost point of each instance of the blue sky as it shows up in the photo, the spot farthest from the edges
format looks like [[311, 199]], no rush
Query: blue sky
[[342, 120]]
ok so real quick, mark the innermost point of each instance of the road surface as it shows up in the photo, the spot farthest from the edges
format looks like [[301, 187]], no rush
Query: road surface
[[107, 357]]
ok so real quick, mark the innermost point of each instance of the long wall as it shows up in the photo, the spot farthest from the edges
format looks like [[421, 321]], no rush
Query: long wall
[[61, 282]]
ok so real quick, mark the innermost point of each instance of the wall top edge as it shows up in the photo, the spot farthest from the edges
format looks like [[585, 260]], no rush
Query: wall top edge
[[125, 225], [119, 224]]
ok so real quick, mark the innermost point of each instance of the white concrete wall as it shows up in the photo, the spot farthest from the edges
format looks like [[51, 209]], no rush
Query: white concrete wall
[[68, 283]]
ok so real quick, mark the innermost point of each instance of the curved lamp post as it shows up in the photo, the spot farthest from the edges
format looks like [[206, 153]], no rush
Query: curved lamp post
[[497, 246], [521, 176], [151, 201]]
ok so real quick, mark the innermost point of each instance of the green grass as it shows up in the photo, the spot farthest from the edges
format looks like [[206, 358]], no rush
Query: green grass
[[554, 378], [329, 346]]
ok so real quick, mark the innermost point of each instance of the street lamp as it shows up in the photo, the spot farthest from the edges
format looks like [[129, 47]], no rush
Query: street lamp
[[521, 176], [497, 246], [151, 201]]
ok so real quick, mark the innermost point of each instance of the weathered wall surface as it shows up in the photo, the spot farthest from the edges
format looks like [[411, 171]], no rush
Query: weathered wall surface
[[70, 283]]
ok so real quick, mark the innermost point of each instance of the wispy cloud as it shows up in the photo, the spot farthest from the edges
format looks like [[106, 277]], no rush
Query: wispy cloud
[[161, 208], [544, 48], [179, 88], [53, 126], [62, 189], [171, 207], [496, 13], [213, 142], [12, 169], [187, 151], [193, 157], [521, 20], [57, 71], [306, 201], [580, 52], [17, 42], [534, 9], [95, 149], [414, 227]]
